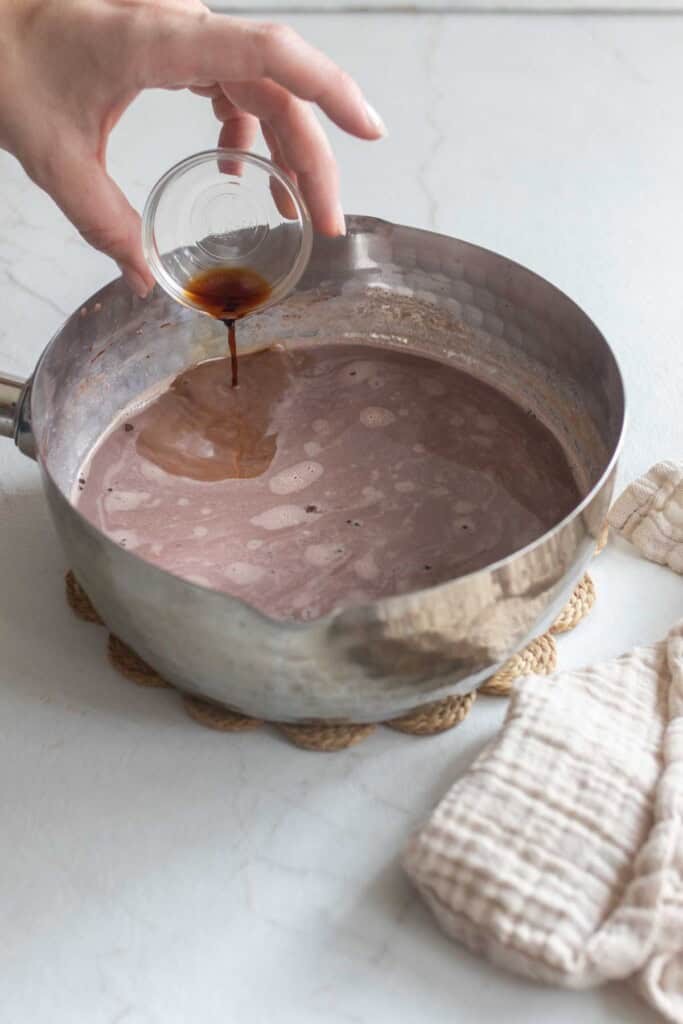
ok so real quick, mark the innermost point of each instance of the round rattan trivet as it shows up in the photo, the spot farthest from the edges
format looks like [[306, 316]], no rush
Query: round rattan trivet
[[539, 658]]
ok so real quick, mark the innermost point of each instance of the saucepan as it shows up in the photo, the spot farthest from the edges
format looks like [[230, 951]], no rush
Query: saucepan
[[436, 295]]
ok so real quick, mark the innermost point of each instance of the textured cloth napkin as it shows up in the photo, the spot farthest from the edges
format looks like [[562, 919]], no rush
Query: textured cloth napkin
[[559, 854]]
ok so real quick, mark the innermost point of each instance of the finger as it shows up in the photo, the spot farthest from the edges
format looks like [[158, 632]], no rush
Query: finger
[[281, 196], [210, 91], [302, 146], [98, 208], [201, 47], [240, 128], [239, 131]]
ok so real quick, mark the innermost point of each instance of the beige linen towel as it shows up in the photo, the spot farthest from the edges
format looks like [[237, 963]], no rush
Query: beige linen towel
[[559, 854]]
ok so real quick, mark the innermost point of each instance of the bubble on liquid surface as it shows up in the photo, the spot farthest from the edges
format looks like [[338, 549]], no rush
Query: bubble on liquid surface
[[321, 427], [199, 531], [371, 495], [125, 501], [280, 517], [325, 554], [184, 502], [404, 486], [296, 477], [312, 448], [366, 567], [152, 472], [244, 573], [254, 545], [375, 416]]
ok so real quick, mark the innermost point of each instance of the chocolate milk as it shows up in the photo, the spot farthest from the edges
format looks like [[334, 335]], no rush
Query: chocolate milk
[[333, 475]]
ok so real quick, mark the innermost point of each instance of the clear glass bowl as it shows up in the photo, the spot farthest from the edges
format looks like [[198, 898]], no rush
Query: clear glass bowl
[[226, 209]]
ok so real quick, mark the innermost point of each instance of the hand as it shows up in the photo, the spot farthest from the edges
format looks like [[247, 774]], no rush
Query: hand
[[69, 69]]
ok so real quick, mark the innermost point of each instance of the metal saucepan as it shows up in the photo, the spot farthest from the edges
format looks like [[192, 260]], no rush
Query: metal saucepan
[[482, 313]]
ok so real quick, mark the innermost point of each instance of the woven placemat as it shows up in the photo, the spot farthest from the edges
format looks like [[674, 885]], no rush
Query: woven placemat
[[538, 658]]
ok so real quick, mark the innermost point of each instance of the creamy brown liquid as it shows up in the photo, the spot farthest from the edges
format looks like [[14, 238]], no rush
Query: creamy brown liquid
[[334, 474]]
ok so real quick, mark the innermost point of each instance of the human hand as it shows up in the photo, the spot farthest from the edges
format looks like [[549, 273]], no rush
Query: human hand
[[70, 68]]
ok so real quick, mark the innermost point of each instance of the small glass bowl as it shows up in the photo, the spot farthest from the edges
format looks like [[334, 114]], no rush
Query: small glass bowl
[[225, 208]]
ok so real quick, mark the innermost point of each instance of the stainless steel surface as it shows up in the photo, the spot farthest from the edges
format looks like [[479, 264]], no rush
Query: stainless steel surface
[[10, 393], [405, 287]]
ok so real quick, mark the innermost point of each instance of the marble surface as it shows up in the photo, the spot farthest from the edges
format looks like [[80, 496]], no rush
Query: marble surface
[[152, 872]]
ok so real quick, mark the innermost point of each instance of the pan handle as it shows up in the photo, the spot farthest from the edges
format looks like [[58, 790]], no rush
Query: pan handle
[[15, 421]]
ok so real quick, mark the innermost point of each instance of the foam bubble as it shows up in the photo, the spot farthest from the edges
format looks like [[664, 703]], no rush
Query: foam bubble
[[244, 573], [366, 567], [199, 531], [320, 427], [296, 477], [404, 486], [184, 502], [374, 416], [371, 495], [312, 448], [125, 501], [280, 517], [325, 554], [254, 545], [152, 472]]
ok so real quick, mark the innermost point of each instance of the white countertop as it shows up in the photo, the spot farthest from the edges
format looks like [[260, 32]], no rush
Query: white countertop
[[152, 872]]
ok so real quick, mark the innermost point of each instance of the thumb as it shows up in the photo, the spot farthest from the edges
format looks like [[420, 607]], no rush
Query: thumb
[[98, 208]]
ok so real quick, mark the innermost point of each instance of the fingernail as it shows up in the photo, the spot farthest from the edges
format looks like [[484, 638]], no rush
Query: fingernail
[[341, 221], [137, 283], [375, 120]]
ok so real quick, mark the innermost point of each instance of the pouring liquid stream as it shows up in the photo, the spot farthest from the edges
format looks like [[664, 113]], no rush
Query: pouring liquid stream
[[228, 294]]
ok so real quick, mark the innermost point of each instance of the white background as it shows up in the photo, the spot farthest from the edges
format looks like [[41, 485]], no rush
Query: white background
[[458, 5], [152, 872]]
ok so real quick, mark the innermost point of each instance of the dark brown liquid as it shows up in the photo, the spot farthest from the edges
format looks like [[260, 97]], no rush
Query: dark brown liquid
[[228, 293]]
